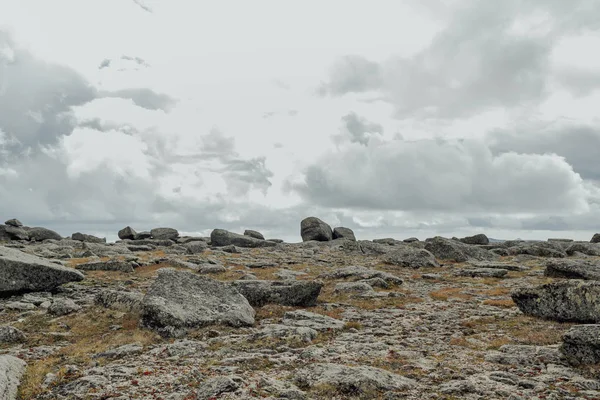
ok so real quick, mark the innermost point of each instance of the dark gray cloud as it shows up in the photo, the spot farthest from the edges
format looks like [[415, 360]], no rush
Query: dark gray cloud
[[359, 128]]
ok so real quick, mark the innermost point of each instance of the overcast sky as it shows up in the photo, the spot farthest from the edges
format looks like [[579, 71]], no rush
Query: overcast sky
[[393, 118]]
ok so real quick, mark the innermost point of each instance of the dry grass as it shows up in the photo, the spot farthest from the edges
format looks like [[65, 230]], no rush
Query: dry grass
[[502, 303], [448, 293], [499, 291]]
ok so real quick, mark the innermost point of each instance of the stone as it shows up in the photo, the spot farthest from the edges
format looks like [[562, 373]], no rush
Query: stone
[[286, 293], [63, 306], [121, 351], [127, 233], [120, 300], [214, 387], [211, 268], [10, 334], [11, 372], [445, 249], [313, 228], [145, 235], [21, 272], [352, 287], [82, 237], [343, 233], [182, 299], [286, 332], [538, 249], [361, 273], [411, 240], [40, 234], [352, 381], [14, 222], [195, 247], [483, 272], [8, 232], [573, 269], [476, 239], [164, 233], [498, 265], [590, 249], [581, 345], [410, 257], [221, 237], [254, 234], [111, 265], [318, 322], [595, 238], [565, 301]]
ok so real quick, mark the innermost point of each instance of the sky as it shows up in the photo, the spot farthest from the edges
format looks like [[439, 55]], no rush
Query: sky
[[395, 119]]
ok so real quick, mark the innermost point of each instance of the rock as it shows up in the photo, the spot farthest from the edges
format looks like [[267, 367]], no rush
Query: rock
[[127, 233], [581, 345], [79, 388], [11, 372], [302, 334], [164, 233], [10, 334], [352, 287], [352, 381], [254, 234], [590, 249], [498, 265], [287, 274], [410, 257], [82, 237], [120, 300], [8, 232], [483, 272], [214, 387], [476, 239], [286, 293], [343, 233], [142, 235], [452, 250], [21, 272], [211, 269], [19, 305], [388, 241], [361, 273], [106, 250], [111, 265], [14, 222], [524, 355], [181, 299], [37, 298], [369, 248], [539, 249], [411, 240], [221, 237], [315, 321], [121, 351], [40, 234], [62, 306], [313, 228], [195, 247], [573, 269], [595, 238], [566, 301]]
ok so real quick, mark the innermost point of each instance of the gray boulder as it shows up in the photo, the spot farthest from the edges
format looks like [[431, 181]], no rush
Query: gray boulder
[[573, 269], [164, 233], [452, 250], [142, 235], [566, 301], [221, 237], [179, 300], [595, 238], [11, 372], [539, 249], [254, 234], [8, 232], [14, 222], [82, 237], [214, 387], [195, 247], [362, 273], [313, 228], [590, 249], [22, 272], [318, 322], [411, 257], [581, 345], [286, 293], [127, 233], [63, 306], [370, 248], [352, 287], [10, 334], [110, 265], [476, 239], [411, 240], [120, 300], [40, 234], [343, 233], [483, 272]]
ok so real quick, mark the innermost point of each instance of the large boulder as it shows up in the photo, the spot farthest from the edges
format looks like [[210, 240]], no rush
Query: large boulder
[[254, 234], [286, 293], [9, 232], [565, 301], [14, 222], [82, 237], [453, 250], [343, 233], [538, 249], [581, 345], [127, 233], [221, 237], [164, 233], [595, 238], [410, 257], [573, 269], [40, 234], [22, 272], [110, 265], [11, 372], [313, 228], [476, 239], [590, 249], [178, 300]]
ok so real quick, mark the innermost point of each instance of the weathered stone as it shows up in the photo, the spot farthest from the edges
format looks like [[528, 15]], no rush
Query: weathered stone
[[62, 306], [40, 234], [21, 272], [411, 240], [10, 334], [82, 237], [164, 233], [214, 387], [254, 234], [573, 269], [11, 372], [410, 257], [483, 272], [566, 301], [581, 344], [595, 238], [452, 250], [313, 228], [524, 355], [195, 247], [221, 237], [127, 233], [590, 249], [111, 265], [361, 273], [145, 235], [303, 334], [8, 232], [120, 300], [343, 233], [315, 321], [352, 287], [121, 351], [538, 249], [287, 293], [181, 299], [498, 265], [14, 222], [476, 239], [388, 241]]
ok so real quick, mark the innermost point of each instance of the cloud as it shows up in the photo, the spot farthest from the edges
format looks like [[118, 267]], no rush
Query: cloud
[[104, 64], [358, 129], [143, 5], [143, 97]]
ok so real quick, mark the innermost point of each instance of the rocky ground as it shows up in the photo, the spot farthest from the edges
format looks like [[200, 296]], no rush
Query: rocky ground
[[158, 316]]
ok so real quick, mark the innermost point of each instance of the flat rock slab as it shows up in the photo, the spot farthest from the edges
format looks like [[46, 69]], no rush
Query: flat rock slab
[[483, 272], [315, 321], [21, 272], [567, 301], [120, 300], [495, 265], [525, 355], [452, 250], [581, 344], [111, 265], [221, 237], [287, 293], [182, 299], [361, 273], [11, 371], [352, 380], [573, 269]]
